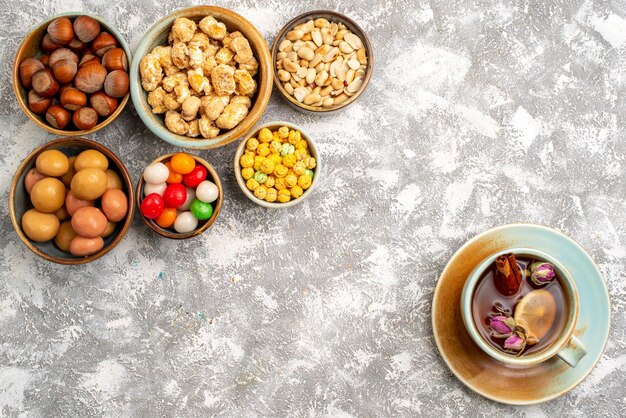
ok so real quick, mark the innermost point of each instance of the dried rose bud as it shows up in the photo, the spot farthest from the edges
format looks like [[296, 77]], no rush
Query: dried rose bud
[[515, 343], [541, 273], [502, 326]]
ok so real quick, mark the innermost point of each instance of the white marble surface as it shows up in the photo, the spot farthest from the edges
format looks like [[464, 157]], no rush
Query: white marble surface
[[479, 114]]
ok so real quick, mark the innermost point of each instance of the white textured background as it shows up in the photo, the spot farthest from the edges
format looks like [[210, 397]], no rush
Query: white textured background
[[479, 113]]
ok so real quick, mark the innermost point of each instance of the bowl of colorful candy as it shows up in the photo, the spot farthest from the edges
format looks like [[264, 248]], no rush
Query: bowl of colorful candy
[[277, 165], [179, 195], [71, 201]]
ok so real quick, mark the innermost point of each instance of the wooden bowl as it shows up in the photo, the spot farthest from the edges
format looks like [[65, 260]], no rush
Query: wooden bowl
[[19, 200], [170, 233], [30, 49], [157, 35], [272, 126], [331, 16]]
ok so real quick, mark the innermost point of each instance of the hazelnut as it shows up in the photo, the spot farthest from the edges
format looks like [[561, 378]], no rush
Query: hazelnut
[[77, 45], [60, 31], [61, 54], [58, 117], [64, 70], [105, 105], [72, 98], [90, 77], [48, 45], [88, 58], [44, 83], [117, 83], [38, 104], [86, 28], [28, 67], [103, 42], [45, 60], [85, 118], [115, 59]]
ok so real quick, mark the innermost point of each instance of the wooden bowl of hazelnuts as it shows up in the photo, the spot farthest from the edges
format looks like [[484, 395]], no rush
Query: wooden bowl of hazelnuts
[[70, 74]]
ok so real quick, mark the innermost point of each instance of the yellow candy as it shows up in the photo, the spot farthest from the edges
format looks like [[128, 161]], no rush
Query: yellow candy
[[294, 137], [246, 161], [289, 160], [310, 162], [258, 160], [260, 192], [280, 170], [304, 181], [263, 150], [296, 191], [280, 184], [247, 173], [276, 158], [271, 180], [275, 146], [299, 168], [252, 184], [267, 166], [284, 196], [252, 144], [283, 132], [301, 154], [276, 137], [265, 135], [291, 180], [271, 195], [302, 144]]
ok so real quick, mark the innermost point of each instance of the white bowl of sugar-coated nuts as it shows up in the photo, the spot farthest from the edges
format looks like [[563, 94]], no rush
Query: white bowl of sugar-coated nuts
[[70, 74], [202, 77], [322, 61], [277, 165]]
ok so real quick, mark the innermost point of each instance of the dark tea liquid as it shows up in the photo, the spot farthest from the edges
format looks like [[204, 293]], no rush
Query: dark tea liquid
[[486, 296]]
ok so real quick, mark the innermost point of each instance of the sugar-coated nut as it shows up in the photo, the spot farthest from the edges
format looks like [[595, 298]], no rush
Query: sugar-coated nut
[[309, 173], [304, 181], [289, 160], [291, 180], [299, 167], [265, 135], [260, 192], [156, 173], [296, 191], [260, 177], [280, 171], [117, 83], [90, 77], [252, 184], [39, 226], [271, 195], [207, 192], [276, 158], [103, 43], [246, 161], [271, 180], [85, 118], [104, 104], [310, 162], [267, 166], [247, 173], [185, 222], [284, 195], [287, 149], [58, 117], [263, 149], [86, 28], [280, 184], [252, 144], [61, 31], [258, 162]]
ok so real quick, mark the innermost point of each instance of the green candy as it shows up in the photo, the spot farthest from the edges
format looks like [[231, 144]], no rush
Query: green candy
[[260, 177], [201, 210], [287, 149], [310, 173]]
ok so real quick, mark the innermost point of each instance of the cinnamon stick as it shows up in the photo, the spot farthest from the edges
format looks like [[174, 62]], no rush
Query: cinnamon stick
[[507, 277]]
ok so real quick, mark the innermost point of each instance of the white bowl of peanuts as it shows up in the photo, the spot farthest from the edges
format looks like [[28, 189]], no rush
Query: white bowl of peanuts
[[201, 77], [322, 61]]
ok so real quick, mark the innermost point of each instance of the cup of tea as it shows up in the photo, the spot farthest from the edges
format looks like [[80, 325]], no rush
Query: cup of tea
[[520, 306]]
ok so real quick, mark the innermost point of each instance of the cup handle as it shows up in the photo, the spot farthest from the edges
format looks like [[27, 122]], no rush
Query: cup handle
[[573, 352]]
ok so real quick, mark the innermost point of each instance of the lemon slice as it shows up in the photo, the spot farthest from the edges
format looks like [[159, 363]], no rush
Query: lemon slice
[[536, 312]]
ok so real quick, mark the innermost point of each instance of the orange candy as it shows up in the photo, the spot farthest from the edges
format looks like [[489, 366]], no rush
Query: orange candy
[[174, 177], [183, 163], [167, 218]]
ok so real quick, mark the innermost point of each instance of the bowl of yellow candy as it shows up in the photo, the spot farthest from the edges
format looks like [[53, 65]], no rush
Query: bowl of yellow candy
[[277, 165]]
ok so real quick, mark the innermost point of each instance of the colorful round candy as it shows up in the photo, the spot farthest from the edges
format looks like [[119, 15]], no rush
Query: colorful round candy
[[207, 191], [152, 206], [197, 176], [166, 218], [191, 195], [174, 195], [201, 210], [185, 222], [183, 163], [156, 173], [174, 177], [150, 188]]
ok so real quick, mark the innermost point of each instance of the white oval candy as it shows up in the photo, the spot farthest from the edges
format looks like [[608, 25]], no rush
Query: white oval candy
[[156, 173], [207, 192], [191, 195], [150, 188], [185, 222]]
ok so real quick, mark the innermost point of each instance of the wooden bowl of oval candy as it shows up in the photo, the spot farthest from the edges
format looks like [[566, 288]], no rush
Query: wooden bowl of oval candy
[[71, 201], [179, 195]]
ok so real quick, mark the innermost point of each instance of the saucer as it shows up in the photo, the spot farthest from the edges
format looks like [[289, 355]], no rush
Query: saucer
[[489, 377]]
